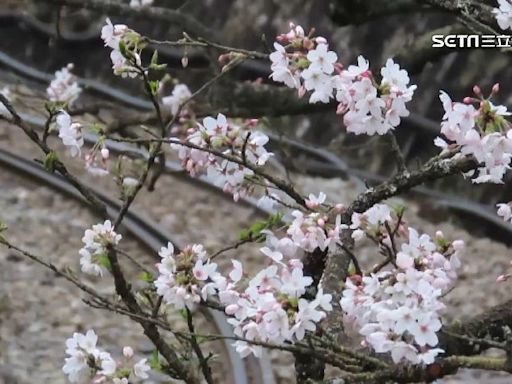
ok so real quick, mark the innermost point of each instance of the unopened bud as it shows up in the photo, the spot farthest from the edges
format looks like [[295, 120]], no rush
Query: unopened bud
[[476, 90], [127, 352], [224, 58], [502, 278], [105, 153], [321, 40], [231, 309], [467, 100], [184, 61], [495, 88], [340, 208], [320, 222], [439, 234]]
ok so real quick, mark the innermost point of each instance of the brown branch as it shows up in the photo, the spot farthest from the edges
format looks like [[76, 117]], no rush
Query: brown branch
[[203, 361], [169, 16]]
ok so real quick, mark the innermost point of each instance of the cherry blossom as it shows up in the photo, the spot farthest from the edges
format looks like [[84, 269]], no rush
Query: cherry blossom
[[322, 58], [96, 241], [85, 360], [398, 311], [126, 48], [505, 211], [504, 14], [184, 277], [180, 94], [482, 133], [218, 134], [141, 368], [64, 87], [70, 133], [87, 363], [367, 105]]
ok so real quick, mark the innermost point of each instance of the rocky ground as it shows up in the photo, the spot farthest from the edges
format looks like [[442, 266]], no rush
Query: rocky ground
[[39, 311]]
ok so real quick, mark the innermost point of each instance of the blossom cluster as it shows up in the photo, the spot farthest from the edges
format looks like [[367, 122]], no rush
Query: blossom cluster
[[270, 306], [96, 241], [240, 142], [125, 45], [87, 363], [184, 278], [316, 229], [269, 309], [64, 87], [367, 105], [503, 14], [482, 133], [71, 134], [398, 311]]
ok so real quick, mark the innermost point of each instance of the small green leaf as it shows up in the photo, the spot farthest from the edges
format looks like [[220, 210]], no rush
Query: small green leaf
[[183, 313], [153, 86], [49, 161], [147, 277], [245, 235], [154, 361], [154, 58], [103, 260]]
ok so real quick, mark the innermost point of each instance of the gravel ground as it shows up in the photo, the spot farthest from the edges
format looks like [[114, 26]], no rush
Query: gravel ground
[[38, 311]]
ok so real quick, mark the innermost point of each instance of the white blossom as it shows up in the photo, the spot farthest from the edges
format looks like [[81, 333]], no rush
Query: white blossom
[[64, 87]]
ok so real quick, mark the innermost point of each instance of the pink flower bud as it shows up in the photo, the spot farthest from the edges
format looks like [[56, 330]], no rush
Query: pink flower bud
[[321, 222], [340, 208], [321, 40], [127, 352], [467, 100], [105, 153], [184, 61], [224, 58], [495, 88], [476, 90], [231, 309], [502, 278]]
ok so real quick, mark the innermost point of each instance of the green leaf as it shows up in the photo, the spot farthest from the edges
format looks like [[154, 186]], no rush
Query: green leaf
[[245, 235], [253, 233], [49, 161], [154, 58], [183, 313], [154, 361], [153, 86], [103, 260], [147, 277]]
